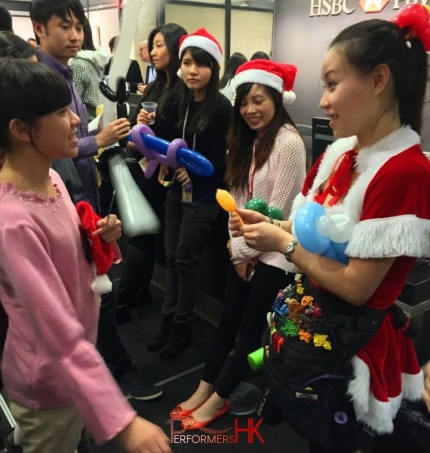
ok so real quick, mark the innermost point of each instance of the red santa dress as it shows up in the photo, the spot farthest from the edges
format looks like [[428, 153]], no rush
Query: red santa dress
[[389, 204]]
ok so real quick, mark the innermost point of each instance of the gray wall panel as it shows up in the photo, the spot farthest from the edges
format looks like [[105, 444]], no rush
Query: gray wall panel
[[303, 40]]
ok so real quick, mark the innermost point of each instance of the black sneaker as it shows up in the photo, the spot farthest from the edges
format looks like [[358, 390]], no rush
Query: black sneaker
[[136, 386]]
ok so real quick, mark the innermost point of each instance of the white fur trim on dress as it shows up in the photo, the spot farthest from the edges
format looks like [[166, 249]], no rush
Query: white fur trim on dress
[[368, 162], [390, 237], [260, 77], [413, 386], [299, 201], [379, 415]]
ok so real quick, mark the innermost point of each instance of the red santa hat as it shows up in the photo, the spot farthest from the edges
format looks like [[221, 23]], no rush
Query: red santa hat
[[203, 40], [270, 73], [101, 251]]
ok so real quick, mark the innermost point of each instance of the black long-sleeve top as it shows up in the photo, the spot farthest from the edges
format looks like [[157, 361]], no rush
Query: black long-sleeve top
[[212, 143]]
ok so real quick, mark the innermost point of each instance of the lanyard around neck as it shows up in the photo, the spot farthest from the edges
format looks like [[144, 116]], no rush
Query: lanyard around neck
[[252, 171], [185, 125]]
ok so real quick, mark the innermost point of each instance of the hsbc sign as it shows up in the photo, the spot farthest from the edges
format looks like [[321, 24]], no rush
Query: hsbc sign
[[336, 7]]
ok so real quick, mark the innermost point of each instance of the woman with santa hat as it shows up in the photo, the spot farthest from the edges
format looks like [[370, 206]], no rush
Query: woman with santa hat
[[266, 161], [191, 208]]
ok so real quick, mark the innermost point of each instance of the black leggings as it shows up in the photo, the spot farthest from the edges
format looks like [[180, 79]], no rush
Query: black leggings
[[245, 309]]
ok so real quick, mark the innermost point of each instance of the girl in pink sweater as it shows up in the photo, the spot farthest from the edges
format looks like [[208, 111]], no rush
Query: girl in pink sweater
[[52, 372]]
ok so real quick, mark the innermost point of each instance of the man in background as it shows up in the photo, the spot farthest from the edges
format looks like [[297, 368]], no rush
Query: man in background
[[134, 75], [151, 72], [58, 26]]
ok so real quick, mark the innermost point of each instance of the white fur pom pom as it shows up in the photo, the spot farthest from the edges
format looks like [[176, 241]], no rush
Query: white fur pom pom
[[101, 284], [179, 73], [288, 97]]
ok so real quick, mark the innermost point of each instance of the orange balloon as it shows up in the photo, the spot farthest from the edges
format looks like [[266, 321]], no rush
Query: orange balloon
[[225, 200]]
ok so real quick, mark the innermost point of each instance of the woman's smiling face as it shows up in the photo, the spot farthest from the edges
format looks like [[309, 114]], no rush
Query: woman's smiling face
[[257, 109]]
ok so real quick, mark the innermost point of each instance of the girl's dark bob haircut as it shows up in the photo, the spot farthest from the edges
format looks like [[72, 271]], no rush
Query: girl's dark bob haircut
[[29, 90]]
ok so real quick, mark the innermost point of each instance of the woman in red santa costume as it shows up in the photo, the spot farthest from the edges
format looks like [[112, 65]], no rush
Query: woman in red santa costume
[[377, 177]]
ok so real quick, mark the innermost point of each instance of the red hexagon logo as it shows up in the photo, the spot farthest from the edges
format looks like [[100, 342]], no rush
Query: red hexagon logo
[[373, 6]]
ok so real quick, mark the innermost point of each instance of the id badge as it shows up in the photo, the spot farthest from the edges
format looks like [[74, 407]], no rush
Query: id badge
[[143, 163], [187, 195]]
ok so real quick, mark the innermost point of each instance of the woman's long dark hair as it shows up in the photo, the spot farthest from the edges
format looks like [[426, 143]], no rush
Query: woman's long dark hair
[[373, 42], [200, 122], [88, 43], [37, 91], [15, 47], [159, 90], [241, 138], [233, 63]]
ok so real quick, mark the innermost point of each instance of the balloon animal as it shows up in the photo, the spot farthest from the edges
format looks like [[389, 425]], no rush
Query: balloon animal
[[317, 232], [174, 154]]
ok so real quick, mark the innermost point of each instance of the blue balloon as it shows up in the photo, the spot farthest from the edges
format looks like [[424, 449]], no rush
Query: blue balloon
[[173, 154], [340, 251], [306, 231], [305, 228]]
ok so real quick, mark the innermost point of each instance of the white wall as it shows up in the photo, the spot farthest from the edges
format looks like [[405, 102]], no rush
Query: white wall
[[302, 39], [146, 23], [22, 27], [107, 21]]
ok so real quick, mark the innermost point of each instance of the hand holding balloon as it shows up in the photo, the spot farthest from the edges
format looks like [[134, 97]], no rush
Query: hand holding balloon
[[226, 201], [174, 154], [248, 217], [323, 234]]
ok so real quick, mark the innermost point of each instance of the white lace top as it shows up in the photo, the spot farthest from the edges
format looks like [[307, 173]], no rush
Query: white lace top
[[277, 182]]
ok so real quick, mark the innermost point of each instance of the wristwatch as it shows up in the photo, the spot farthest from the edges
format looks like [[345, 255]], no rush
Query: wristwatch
[[289, 249]]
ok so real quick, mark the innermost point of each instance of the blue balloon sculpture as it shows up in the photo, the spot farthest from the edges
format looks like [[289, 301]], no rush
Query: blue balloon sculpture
[[174, 154], [308, 221]]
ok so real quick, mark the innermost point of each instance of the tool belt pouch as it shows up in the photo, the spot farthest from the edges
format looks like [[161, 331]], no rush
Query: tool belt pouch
[[313, 337]]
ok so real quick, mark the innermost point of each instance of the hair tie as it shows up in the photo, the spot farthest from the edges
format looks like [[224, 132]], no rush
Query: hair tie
[[416, 18]]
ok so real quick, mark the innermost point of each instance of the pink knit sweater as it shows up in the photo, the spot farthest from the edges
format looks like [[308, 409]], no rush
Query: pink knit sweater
[[277, 182], [49, 359]]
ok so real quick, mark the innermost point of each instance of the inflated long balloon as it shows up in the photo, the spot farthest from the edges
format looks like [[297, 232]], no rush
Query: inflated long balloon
[[174, 154], [226, 201], [136, 214]]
